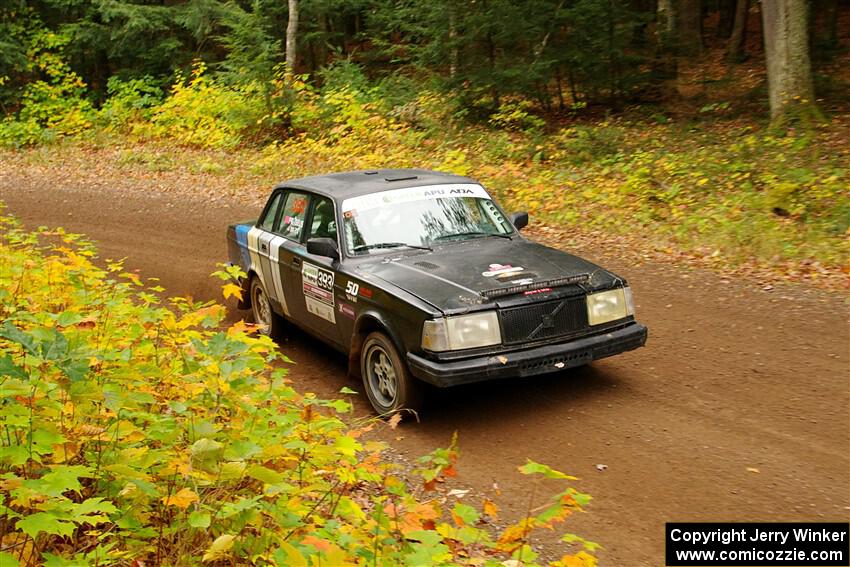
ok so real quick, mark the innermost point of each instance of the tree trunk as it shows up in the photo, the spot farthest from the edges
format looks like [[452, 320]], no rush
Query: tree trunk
[[735, 51], [292, 36], [789, 75], [689, 28], [667, 17], [454, 54]]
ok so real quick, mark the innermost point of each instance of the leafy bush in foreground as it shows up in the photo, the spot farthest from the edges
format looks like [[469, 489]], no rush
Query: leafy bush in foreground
[[141, 434]]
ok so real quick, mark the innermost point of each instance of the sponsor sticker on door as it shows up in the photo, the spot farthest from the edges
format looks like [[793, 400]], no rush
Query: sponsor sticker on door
[[318, 286]]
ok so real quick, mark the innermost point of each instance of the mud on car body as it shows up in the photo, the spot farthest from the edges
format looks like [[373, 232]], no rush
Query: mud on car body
[[419, 276]]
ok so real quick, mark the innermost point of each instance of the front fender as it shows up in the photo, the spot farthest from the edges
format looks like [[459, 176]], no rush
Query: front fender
[[368, 321]]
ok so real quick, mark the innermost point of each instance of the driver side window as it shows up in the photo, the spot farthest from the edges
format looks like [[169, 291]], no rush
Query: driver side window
[[322, 221]]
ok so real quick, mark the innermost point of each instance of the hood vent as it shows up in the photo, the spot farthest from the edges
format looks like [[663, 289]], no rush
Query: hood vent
[[555, 282], [427, 265]]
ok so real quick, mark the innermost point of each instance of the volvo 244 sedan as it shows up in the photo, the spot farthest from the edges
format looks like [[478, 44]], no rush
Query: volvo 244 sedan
[[419, 276]]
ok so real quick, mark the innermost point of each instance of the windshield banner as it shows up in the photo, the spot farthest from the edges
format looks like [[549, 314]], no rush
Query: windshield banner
[[384, 198]]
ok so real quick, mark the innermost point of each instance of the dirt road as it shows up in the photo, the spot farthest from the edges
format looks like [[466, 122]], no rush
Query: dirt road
[[737, 409]]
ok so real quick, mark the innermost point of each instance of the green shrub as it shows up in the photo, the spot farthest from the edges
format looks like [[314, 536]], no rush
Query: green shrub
[[207, 113], [129, 101], [517, 115], [52, 106]]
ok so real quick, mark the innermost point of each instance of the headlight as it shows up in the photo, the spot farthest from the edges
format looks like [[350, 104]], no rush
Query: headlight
[[609, 305], [460, 332]]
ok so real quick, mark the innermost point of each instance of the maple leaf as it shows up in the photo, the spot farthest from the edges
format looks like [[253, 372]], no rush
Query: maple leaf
[[580, 559], [318, 543], [219, 548], [464, 515], [232, 290], [39, 522], [182, 499]]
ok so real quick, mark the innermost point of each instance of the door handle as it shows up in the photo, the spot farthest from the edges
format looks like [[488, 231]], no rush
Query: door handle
[[296, 261], [264, 247]]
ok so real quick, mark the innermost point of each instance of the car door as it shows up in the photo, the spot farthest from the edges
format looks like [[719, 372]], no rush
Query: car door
[[263, 246], [276, 247], [316, 277]]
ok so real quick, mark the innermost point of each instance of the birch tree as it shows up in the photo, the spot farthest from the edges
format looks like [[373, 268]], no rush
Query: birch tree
[[292, 36]]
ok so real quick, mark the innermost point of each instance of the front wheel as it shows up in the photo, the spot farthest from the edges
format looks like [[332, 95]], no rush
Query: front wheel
[[388, 383], [270, 322]]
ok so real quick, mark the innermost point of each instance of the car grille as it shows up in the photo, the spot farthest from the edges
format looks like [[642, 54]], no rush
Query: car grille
[[544, 320]]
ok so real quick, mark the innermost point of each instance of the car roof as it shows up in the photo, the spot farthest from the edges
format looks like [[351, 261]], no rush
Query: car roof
[[353, 183]]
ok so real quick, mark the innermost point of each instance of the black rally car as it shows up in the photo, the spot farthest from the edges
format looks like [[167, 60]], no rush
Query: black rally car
[[419, 276]]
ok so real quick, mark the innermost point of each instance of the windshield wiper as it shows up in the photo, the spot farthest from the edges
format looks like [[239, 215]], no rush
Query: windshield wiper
[[474, 233], [390, 245]]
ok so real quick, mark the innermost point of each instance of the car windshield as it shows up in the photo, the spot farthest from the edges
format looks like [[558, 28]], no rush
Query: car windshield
[[418, 217]]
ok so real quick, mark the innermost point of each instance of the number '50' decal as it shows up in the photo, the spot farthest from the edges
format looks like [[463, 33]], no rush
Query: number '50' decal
[[352, 288]]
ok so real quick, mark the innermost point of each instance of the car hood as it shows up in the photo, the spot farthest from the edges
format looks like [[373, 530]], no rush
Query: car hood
[[475, 272]]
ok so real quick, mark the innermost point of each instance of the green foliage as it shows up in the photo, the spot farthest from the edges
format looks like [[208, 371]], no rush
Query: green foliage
[[139, 432], [205, 112], [598, 51], [582, 143], [504, 48], [735, 194], [53, 105], [130, 101], [127, 38], [516, 115], [15, 21]]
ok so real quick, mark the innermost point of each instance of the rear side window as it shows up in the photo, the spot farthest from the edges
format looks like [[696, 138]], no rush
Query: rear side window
[[271, 213], [292, 216]]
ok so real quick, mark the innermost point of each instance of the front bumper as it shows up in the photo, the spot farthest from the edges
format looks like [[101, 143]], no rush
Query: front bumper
[[538, 360]]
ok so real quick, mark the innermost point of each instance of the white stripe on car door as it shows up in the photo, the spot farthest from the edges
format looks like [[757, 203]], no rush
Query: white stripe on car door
[[274, 256], [256, 237], [254, 252]]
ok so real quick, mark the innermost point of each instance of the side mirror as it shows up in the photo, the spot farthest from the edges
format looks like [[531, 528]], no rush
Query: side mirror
[[519, 220], [323, 247]]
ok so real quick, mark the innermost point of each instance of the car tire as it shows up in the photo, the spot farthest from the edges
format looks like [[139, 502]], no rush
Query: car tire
[[388, 383], [270, 323]]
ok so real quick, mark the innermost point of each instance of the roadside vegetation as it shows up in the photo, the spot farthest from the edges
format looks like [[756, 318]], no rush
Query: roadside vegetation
[[676, 126], [137, 431], [721, 188]]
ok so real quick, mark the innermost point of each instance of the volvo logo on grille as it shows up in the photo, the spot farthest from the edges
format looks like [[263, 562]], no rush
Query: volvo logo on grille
[[547, 322]]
